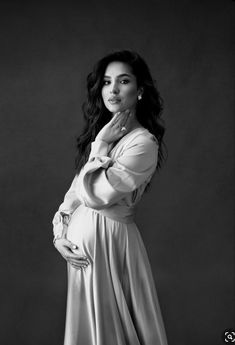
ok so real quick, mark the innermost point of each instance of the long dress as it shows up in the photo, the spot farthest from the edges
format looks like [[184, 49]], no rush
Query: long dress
[[113, 301]]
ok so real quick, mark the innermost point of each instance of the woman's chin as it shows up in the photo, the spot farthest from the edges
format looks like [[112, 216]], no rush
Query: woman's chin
[[116, 108]]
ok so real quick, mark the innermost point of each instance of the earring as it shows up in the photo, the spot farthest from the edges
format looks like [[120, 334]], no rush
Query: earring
[[139, 97]]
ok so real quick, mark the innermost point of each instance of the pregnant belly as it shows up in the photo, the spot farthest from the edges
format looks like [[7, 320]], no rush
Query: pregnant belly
[[82, 230], [94, 233]]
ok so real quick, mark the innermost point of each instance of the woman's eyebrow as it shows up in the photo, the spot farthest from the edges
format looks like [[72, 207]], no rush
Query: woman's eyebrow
[[119, 76]]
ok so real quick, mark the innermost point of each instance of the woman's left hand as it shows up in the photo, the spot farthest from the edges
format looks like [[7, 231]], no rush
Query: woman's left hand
[[116, 128]]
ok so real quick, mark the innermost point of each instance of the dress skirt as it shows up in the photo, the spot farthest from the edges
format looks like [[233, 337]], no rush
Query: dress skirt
[[113, 301]]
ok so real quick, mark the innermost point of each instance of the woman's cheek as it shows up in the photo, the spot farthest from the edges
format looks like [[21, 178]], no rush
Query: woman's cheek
[[131, 96]]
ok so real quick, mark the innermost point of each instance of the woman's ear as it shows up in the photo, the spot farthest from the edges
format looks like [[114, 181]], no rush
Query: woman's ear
[[140, 93]]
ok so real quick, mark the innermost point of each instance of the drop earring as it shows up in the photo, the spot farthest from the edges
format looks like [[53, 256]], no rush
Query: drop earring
[[139, 97]]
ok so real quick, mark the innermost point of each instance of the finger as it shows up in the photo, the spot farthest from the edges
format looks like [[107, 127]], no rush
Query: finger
[[63, 256], [76, 260], [76, 256], [77, 266], [127, 120], [79, 262], [69, 254], [123, 126], [122, 118], [74, 265], [67, 244], [71, 245], [114, 118]]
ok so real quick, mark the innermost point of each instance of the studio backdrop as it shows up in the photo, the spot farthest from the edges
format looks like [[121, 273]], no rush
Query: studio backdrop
[[185, 219]]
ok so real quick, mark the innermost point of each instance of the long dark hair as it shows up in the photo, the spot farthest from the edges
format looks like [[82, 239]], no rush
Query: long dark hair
[[96, 115]]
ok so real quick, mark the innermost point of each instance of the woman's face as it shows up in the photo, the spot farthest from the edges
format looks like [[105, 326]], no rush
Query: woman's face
[[119, 91]]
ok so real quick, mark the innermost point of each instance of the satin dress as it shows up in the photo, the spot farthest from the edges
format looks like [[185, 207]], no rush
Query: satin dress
[[113, 301]]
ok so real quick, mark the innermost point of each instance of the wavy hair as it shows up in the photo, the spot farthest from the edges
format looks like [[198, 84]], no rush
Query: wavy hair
[[96, 115]]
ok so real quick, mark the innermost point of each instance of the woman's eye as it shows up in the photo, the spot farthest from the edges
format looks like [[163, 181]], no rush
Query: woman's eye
[[124, 81], [106, 82]]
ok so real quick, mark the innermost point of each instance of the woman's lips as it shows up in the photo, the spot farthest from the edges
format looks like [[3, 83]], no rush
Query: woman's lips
[[114, 100]]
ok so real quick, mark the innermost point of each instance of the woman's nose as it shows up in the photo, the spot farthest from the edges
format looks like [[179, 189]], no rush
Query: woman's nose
[[114, 88]]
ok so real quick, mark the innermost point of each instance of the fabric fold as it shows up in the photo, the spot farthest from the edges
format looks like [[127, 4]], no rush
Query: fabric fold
[[113, 301]]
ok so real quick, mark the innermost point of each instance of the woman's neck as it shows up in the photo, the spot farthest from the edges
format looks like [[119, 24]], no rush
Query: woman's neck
[[132, 121]]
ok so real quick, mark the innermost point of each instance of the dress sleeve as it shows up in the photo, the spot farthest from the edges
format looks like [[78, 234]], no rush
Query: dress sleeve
[[103, 181], [63, 215]]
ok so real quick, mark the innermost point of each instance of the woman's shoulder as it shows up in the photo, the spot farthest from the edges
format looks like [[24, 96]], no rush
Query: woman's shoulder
[[142, 136], [139, 142]]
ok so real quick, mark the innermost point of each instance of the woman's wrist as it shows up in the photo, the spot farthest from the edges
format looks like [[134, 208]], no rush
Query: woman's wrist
[[99, 147], [97, 139], [58, 237]]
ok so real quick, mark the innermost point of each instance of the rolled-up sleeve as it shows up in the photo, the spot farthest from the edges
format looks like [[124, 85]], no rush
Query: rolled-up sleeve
[[103, 180]]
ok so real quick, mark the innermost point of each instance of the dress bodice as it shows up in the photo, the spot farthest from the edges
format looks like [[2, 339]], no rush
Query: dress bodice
[[114, 177]]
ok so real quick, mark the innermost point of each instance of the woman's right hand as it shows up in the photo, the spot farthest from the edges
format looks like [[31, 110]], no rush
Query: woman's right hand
[[112, 131], [65, 248]]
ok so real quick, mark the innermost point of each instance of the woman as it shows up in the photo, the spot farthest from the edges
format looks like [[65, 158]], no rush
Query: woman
[[111, 294]]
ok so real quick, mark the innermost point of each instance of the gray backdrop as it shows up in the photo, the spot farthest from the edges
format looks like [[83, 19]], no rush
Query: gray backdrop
[[186, 219]]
